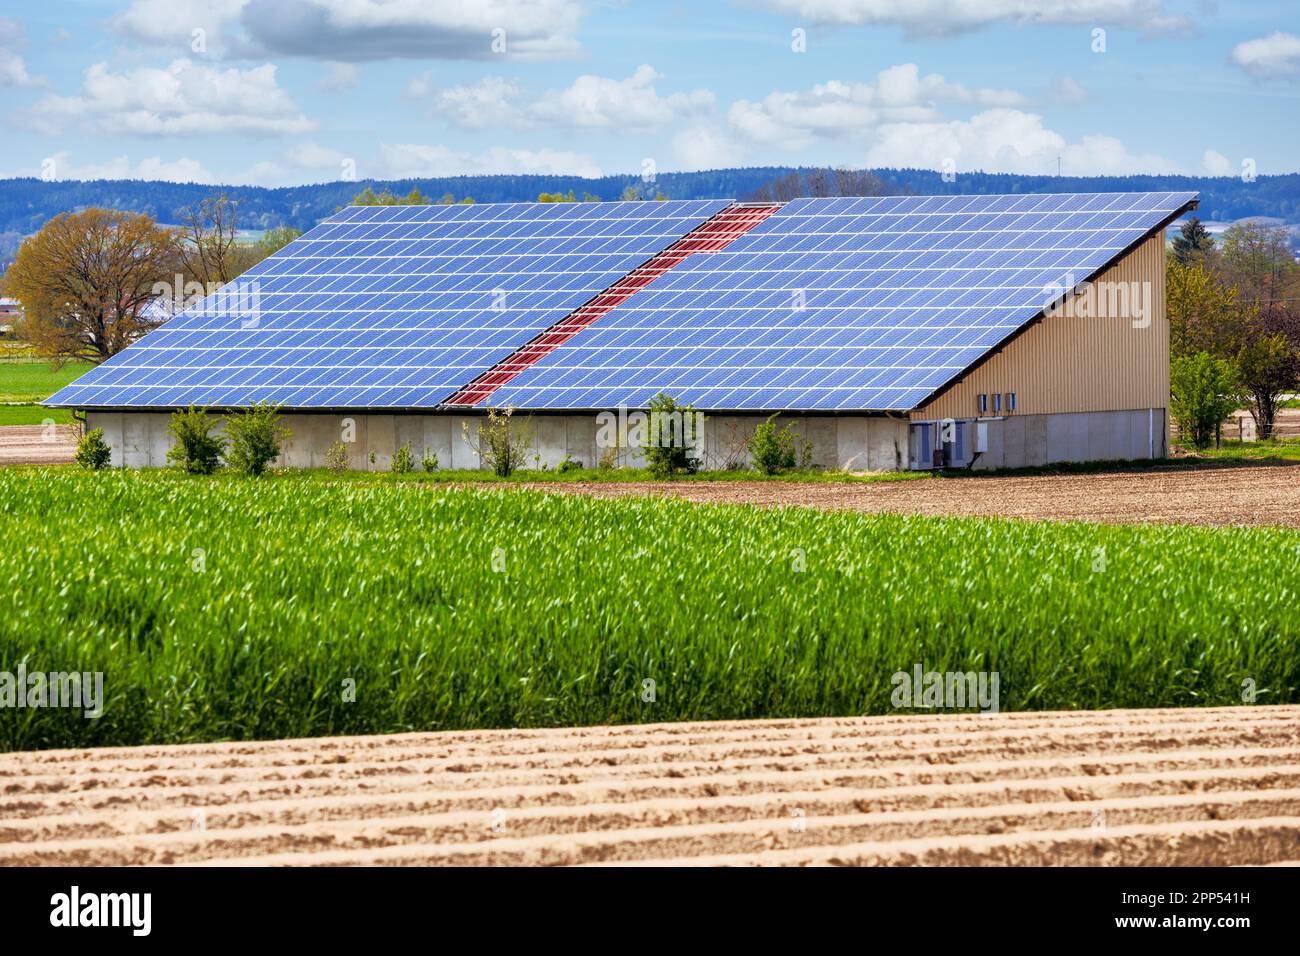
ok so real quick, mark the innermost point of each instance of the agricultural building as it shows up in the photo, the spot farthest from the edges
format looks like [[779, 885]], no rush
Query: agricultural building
[[892, 332]]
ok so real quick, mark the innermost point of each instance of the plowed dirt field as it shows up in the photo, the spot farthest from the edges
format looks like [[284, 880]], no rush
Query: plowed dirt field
[[1247, 494], [1154, 787]]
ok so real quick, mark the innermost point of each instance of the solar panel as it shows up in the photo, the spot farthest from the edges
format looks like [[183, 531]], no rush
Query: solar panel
[[845, 303], [388, 306]]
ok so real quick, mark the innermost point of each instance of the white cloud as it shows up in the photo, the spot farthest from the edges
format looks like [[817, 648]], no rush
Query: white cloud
[[13, 69], [489, 103], [938, 17], [338, 77], [1008, 141], [357, 30], [835, 109], [415, 29], [183, 170], [1067, 91], [901, 120], [412, 160], [1275, 55], [633, 103], [198, 26], [419, 86], [183, 99], [590, 102], [704, 146], [1216, 164]]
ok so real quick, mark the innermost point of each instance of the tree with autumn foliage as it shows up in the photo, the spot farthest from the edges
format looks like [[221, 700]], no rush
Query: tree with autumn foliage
[[86, 279]]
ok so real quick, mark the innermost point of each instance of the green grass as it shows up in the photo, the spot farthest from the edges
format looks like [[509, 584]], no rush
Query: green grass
[[233, 608], [27, 382], [33, 415], [1275, 449], [450, 476]]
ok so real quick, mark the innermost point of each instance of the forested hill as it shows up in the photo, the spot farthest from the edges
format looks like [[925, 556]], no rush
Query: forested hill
[[25, 204]]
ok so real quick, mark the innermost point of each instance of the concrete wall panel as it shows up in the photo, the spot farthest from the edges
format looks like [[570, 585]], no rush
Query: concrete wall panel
[[853, 443], [141, 439]]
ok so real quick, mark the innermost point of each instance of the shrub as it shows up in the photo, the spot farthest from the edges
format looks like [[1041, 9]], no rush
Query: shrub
[[772, 448], [336, 458], [673, 429], [255, 438], [1203, 392], [197, 450], [569, 464], [430, 461], [1267, 368], [403, 460], [501, 445], [92, 451]]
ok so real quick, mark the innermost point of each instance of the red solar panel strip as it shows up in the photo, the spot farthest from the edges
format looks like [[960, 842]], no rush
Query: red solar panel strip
[[710, 236]]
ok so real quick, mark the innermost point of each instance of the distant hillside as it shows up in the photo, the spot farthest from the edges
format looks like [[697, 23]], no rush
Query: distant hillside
[[25, 204]]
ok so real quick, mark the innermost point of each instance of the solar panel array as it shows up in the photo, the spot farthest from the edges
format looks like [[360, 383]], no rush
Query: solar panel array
[[846, 303], [388, 306]]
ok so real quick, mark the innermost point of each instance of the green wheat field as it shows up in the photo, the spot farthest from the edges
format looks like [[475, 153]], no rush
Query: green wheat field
[[226, 608]]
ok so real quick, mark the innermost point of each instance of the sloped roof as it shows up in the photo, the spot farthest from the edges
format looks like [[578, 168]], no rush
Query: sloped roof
[[839, 304]]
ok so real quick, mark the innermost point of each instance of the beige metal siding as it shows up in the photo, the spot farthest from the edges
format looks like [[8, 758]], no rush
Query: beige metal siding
[[1073, 363]]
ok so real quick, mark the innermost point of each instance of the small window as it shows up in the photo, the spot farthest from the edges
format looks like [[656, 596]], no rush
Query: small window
[[997, 403], [1011, 401], [984, 403]]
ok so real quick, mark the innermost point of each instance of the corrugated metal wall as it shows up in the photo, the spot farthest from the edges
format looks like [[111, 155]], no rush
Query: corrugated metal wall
[[1077, 363]]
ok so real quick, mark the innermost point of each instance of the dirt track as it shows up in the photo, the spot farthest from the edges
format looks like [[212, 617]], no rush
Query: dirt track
[[32, 445], [1228, 495], [1155, 787]]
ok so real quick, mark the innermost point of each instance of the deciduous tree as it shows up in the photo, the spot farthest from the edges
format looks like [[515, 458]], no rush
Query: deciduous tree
[[86, 280]]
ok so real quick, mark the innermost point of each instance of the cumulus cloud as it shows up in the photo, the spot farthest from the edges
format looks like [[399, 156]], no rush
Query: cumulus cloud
[[339, 76], [597, 101], [1007, 141], [411, 160], [182, 99], [939, 17], [200, 26], [490, 102], [590, 102], [419, 86], [1067, 91], [704, 146], [1216, 164], [1275, 55], [13, 69], [418, 29], [62, 166], [837, 109], [356, 30]]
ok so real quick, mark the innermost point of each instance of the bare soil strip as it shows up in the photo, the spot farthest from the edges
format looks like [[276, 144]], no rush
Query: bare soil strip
[[1156, 787], [1236, 494], [37, 445]]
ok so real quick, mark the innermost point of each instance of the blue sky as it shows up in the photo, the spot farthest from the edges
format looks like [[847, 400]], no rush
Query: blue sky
[[279, 92]]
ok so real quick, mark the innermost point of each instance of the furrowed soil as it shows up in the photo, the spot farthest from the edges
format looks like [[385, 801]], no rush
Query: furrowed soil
[[1109, 788], [1245, 494], [38, 445]]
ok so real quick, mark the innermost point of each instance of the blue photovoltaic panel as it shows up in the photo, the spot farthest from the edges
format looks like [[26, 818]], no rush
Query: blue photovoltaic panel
[[843, 303], [388, 306]]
